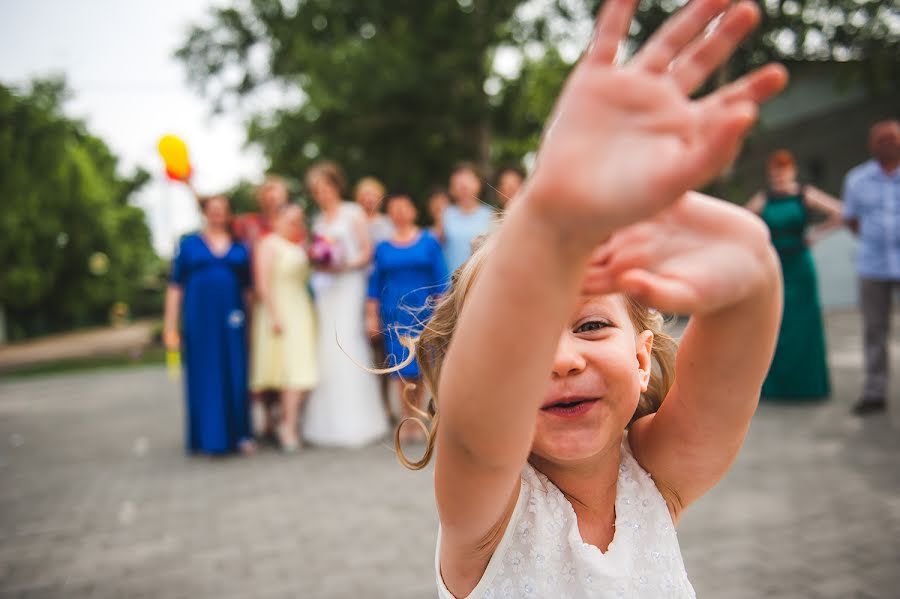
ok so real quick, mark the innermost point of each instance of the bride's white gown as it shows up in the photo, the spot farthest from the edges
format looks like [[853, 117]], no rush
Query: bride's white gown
[[345, 409]]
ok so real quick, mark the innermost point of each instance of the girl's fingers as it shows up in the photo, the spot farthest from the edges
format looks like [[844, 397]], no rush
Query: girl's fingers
[[714, 149], [705, 54], [635, 246], [597, 282], [676, 33], [757, 86], [612, 27], [664, 294]]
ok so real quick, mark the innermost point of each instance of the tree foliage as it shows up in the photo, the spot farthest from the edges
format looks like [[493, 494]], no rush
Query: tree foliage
[[404, 88], [388, 87], [70, 243]]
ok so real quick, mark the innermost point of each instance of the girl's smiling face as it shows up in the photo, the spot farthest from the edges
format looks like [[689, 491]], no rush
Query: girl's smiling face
[[600, 369]]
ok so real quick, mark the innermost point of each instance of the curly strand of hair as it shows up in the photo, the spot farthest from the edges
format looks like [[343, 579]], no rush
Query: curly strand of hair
[[430, 438], [425, 419]]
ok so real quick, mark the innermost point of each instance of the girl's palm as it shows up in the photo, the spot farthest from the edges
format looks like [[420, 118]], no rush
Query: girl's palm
[[624, 142], [692, 257]]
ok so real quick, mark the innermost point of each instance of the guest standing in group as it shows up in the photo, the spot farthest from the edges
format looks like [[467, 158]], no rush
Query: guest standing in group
[[251, 228], [799, 369], [468, 218], [438, 200], [409, 270], [509, 182], [271, 195], [284, 337], [208, 288], [369, 194], [345, 408], [872, 212]]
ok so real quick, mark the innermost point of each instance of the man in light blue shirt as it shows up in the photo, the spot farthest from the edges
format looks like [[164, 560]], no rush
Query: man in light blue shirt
[[872, 211]]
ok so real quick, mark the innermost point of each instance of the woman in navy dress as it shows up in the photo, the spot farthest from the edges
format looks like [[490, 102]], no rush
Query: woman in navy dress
[[210, 275], [408, 269]]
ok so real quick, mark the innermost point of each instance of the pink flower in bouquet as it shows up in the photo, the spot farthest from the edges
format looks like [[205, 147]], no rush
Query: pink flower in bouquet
[[324, 252]]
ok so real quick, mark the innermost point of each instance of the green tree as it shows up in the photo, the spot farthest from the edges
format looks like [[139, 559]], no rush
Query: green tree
[[863, 35], [381, 81], [404, 88], [70, 242]]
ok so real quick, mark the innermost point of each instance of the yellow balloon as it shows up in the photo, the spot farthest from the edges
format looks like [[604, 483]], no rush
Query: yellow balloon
[[175, 155]]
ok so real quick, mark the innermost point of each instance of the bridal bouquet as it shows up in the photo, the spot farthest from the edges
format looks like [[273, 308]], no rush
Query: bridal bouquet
[[325, 252]]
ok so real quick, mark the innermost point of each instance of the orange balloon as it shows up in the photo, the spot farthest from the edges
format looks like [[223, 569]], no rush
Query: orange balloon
[[175, 156]]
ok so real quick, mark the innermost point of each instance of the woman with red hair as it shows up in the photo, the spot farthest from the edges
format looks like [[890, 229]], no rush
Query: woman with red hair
[[799, 368]]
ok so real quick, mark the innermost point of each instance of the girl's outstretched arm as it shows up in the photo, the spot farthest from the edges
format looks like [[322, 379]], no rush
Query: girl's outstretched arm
[[593, 175], [712, 260]]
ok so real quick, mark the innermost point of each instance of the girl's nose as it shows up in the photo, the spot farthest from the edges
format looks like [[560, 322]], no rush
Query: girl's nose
[[567, 360]]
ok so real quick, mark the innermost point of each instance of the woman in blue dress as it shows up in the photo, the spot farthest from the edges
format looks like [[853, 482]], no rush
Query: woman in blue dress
[[210, 275], [408, 270]]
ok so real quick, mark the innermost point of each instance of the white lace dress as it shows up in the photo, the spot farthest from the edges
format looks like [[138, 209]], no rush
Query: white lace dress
[[345, 409], [542, 554]]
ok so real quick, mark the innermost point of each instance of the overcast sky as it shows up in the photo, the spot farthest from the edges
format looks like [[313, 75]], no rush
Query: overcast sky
[[117, 58]]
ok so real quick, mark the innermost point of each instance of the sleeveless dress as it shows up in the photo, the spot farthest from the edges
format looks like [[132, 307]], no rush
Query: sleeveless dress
[[799, 368], [543, 555], [345, 409], [288, 360]]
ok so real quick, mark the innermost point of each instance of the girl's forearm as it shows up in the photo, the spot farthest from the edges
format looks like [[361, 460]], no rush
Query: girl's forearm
[[744, 334], [492, 383]]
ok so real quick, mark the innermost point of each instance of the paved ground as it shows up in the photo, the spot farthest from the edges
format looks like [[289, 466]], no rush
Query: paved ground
[[105, 341], [98, 500]]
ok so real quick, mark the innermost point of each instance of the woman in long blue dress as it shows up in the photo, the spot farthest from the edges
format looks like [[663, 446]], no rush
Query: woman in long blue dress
[[210, 275], [408, 270]]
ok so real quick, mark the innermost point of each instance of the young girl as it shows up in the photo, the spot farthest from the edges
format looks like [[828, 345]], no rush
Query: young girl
[[542, 354]]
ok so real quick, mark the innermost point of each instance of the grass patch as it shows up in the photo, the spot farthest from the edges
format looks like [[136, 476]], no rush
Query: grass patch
[[153, 355]]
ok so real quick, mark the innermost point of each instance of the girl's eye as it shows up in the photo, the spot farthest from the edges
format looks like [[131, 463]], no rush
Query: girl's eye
[[593, 325]]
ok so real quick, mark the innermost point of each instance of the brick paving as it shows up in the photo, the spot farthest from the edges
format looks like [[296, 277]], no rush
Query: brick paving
[[97, 499]]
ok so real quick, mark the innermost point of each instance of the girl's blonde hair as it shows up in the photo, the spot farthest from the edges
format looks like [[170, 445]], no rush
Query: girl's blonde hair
[[431, 348]]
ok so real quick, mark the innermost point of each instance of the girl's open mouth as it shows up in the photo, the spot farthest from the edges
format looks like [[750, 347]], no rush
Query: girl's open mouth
[[569, 407]]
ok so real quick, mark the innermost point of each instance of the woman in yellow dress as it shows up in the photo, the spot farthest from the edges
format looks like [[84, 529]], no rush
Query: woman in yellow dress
[[284, 335]]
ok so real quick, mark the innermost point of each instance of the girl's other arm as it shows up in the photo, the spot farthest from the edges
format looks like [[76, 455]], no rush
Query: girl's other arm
[[723, 357]]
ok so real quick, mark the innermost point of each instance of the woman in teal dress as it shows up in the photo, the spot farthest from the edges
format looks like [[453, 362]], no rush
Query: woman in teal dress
[[800, 366]]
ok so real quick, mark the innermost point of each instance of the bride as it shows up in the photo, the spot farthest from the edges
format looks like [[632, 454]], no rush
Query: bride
[[345, 410]]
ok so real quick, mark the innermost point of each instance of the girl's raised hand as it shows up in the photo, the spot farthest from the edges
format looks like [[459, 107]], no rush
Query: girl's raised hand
[[698, 255], [626, 141]]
